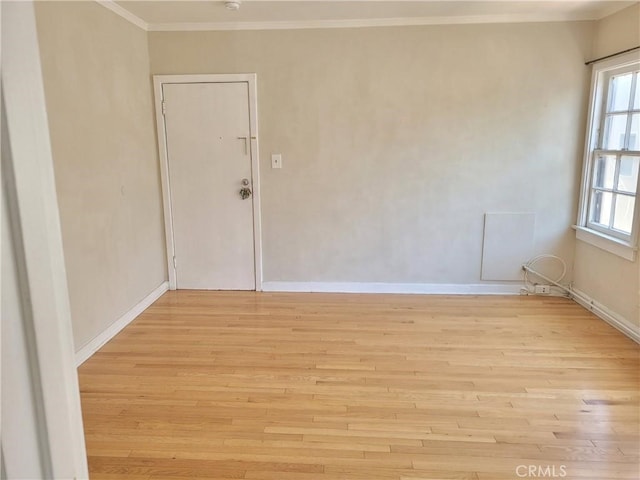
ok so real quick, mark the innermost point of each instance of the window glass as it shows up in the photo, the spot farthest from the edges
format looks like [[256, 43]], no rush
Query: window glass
[[615, 129], [601, 208], [634, 133], [604, 172], [619, 92], [628, 176], [623, 216]]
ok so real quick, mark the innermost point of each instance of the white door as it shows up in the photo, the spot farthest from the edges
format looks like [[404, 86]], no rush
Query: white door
[[208, 148]]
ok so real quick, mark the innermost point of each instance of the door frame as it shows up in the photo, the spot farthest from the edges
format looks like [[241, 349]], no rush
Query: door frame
[[34, 224], [251, 80]]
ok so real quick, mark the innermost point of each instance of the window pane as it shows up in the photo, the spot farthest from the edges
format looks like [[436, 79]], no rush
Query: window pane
[[604, 171], [619, 92], [601, 207], [636, 102], [614, 131], [623, 217], [634, 134], [628, 176]]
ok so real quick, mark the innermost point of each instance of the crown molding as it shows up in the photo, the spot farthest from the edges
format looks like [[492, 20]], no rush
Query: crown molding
[[612, 9], [360, 23], [124, 13], [345, 23]]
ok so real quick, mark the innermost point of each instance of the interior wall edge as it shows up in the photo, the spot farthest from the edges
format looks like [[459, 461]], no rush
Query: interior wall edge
[[91, 347]]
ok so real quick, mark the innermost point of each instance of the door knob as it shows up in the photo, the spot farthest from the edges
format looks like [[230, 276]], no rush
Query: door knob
[[245, 191]]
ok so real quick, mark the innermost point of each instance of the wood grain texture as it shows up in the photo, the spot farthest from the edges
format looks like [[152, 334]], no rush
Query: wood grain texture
[[340, 386]]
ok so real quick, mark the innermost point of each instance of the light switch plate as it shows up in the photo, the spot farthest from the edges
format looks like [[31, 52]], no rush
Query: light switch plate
[[276, 160]]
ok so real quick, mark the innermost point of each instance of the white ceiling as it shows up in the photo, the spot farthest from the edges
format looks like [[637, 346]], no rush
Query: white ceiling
[[266, 14]]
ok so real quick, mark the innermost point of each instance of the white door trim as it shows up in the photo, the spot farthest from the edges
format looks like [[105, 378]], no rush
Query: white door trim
[[34, 219], [250, 79]]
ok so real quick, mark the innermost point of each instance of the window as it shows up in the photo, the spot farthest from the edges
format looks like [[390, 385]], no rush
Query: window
[[609, 203]]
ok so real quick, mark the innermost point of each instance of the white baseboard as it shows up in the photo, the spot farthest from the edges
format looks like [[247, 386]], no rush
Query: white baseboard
[[612, 318], [94, 345], [415, 288]]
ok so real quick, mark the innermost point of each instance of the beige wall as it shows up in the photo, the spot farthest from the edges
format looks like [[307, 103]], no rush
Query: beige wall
[[617, 32], [97, 85], [396, 141], [607, 278]]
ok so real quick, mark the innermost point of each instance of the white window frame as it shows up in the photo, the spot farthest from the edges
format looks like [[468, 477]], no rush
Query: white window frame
[[614, 242]]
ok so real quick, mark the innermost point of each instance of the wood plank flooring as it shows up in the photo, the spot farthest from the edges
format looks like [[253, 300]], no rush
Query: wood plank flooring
[[339, 386]]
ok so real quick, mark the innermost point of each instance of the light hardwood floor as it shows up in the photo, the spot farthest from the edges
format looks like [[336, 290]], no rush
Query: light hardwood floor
[[363, 387]]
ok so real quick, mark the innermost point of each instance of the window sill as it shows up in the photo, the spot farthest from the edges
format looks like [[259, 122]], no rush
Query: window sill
[[604, 242]]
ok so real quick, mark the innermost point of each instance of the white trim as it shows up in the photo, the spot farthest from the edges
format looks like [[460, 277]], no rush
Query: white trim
[[595, 98], [35, 219], [124, 13], [255, 177], [164, 180], [409, 288], [604, 242], [618, 61], [622, 248], [363, 22], [94, 345], [349, 23], [251, 80], [612, 318]]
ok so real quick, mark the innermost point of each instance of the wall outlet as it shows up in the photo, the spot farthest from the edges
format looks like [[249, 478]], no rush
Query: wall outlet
[[276, 160], [542, 289]]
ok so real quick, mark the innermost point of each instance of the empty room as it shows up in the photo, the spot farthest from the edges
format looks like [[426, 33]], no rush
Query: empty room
[[320, 240]]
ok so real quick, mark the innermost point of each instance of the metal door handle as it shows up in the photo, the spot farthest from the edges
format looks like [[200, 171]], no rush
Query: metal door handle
[[246, 148], [245, 144]]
